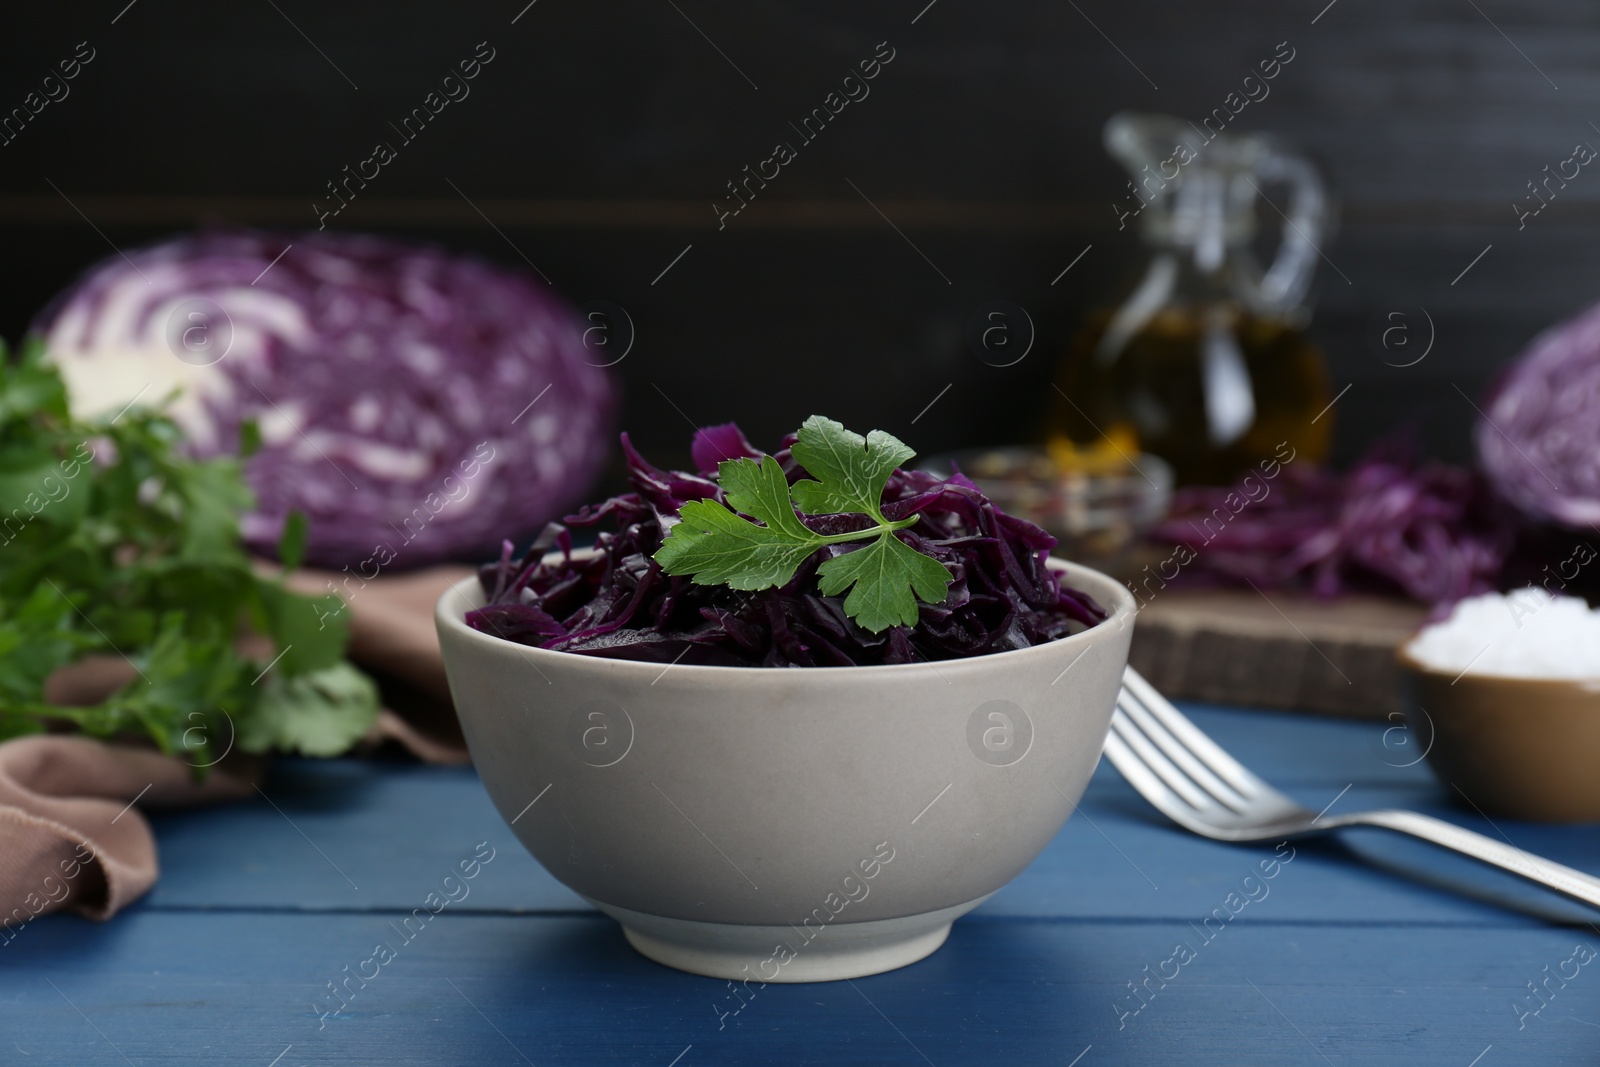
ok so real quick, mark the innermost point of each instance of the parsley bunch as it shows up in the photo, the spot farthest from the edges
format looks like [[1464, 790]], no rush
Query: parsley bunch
[[113, 543], [849, 472]]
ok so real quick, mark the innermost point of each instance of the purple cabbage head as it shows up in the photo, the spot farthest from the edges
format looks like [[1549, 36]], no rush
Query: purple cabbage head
[[618, 603], [416, 405], [1539, 437]]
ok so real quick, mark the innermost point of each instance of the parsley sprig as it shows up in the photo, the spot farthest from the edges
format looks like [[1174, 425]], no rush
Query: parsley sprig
[[113, 543], [886, 577]]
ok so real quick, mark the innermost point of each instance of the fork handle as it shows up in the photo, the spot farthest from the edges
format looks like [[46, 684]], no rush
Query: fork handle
[[1564, 880]]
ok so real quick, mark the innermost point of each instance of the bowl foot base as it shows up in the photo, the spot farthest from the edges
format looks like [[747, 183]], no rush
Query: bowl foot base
[[787, 953]]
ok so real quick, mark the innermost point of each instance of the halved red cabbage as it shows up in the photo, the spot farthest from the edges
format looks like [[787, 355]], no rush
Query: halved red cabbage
[[620, 604], [415, 404], [1539, 437]]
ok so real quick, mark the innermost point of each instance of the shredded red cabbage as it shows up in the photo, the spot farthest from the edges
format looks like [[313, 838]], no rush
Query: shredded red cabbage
[[1540, 430], [1433, 532], [619, 604]]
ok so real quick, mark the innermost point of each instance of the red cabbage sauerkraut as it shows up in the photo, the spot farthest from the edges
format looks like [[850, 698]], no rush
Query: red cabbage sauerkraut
[[618, 603]]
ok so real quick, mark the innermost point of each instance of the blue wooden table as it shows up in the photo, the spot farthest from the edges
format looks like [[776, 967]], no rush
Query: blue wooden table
[[1368, 950]]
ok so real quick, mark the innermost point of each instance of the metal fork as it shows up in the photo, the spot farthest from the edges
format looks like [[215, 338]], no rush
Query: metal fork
[[1200, 787]]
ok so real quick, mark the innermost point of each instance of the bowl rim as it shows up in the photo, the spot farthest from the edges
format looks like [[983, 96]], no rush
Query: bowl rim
[[1407, 661], [450, 615]]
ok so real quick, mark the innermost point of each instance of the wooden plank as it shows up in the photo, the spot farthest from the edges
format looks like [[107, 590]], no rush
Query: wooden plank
[[394, 831], [609, 99], [227, 969], [207, 988], [653, 133], [1277, 650]]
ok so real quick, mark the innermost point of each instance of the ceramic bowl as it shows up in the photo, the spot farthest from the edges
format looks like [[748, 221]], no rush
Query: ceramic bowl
[[1522, 748], [786, 825]]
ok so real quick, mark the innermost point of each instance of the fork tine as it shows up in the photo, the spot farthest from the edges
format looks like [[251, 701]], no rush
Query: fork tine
[[1175, 751], [1148, 784], [1224, 766], [1172, 777]]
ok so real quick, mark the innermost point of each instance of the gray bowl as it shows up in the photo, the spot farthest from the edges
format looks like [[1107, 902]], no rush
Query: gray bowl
[[786, 825]]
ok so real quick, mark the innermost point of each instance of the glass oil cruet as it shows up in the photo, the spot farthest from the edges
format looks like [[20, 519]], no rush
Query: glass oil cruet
[[1206, 364]]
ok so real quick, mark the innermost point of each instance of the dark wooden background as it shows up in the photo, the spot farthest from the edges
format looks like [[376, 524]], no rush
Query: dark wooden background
[[601, 134]]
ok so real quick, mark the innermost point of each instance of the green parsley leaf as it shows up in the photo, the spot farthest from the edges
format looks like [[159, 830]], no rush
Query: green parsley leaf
[[759, 489], [719, 548], [716, 546], [851, 470], [249, 438], [311, 631], [113, 543], [318, 714], [884, 574], [292, 542], [30, 391]]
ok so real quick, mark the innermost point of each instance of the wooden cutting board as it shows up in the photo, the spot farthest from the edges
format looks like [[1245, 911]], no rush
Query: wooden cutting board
[[1279, 650]]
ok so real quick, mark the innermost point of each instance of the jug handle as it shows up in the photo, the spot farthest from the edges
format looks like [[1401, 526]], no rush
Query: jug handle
[[1286, 281]]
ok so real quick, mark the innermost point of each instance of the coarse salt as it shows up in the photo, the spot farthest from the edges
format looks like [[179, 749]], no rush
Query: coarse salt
[[1526, 633]]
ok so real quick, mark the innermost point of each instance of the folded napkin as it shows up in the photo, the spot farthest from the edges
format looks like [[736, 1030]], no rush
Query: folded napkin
[[71, 835]]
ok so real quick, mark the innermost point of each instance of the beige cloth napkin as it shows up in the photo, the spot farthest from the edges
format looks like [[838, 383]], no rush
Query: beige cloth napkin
[[71, 835]]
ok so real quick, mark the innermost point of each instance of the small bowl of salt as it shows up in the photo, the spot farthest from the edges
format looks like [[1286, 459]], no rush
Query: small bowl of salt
[[1503, 696]]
